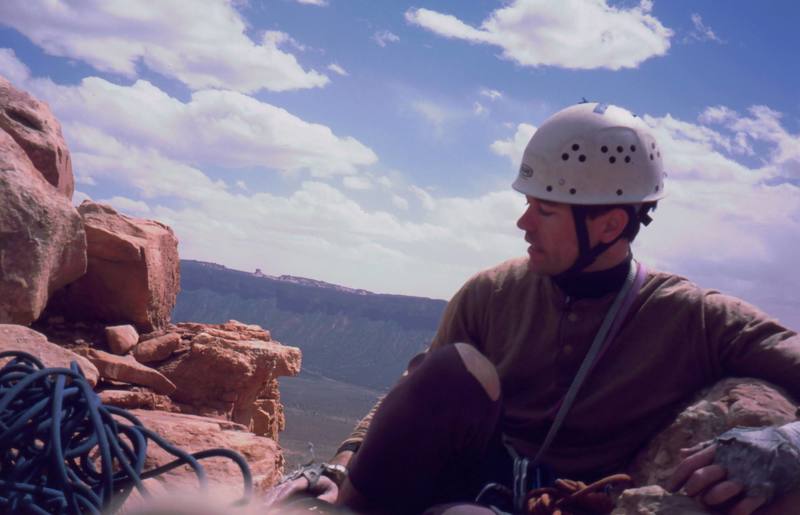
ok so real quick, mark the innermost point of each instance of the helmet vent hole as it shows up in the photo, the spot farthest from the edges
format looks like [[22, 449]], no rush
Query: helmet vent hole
[[564, 156], [633, 148], [572, 191], [619, 192], [612, 160], [575, 146], [651, 157], [653, 146], [657, 187], [549, 188], [581, 158], [620, 149], [627, 159], [658, 154], [604, 149]]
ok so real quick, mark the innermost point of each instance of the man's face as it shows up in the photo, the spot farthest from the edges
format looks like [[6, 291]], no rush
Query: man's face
[[550, 230]]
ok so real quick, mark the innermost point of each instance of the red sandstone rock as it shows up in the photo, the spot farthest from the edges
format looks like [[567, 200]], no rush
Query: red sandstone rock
[[133, 272], [32, 125], [157, 349], [233, 371], [43, 244], [729, 403], [121, 338], [193, 433], [128, 370], [136, 399], [17, 337]]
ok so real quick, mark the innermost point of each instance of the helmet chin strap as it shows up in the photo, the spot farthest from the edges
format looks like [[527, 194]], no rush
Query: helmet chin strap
[[586, 254]]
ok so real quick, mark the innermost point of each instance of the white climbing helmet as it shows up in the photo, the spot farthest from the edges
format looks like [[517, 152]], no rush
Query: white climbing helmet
[[592, 154]]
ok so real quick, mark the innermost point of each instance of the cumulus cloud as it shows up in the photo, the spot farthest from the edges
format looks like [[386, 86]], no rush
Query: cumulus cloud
[[12, 68], [582, 34], [223, 128], [513, 147], [384, 37], [127, 206], [335, 68], [203, 48], [479, 109], [702, 32]]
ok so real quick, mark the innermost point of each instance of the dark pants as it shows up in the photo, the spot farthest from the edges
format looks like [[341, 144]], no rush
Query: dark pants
[[435, 439]]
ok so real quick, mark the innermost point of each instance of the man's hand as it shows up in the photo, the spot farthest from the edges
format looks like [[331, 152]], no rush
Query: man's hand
[[324, 489], [703, 479]]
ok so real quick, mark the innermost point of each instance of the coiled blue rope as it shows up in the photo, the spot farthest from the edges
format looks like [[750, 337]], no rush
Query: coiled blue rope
[[62, 451]]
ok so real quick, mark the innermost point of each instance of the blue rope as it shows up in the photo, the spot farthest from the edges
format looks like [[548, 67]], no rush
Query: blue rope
[[62, 451]]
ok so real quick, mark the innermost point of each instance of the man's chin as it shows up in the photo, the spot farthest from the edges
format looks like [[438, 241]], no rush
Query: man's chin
[[536, 266]]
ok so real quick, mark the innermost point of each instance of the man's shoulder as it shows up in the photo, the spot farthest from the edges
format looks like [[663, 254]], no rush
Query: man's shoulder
[[670, 286]]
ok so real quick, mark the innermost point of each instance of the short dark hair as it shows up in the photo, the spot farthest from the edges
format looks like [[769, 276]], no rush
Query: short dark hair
[[637, 215]]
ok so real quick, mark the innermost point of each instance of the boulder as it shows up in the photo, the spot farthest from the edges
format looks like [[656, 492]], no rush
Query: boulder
[[121, 338], [128, 370], [654, 500], [732, 402], [193, 434], [133, 272], [133, 399], [157, 349], [32, 125], [43, 242], [16, 337], [229, 374]]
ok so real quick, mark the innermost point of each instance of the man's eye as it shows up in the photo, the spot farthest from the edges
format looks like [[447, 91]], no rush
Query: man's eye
[[546, 213]]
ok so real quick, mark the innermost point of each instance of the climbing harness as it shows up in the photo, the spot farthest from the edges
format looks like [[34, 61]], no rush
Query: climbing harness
[[567, 497], [62, 451], [612, 322]]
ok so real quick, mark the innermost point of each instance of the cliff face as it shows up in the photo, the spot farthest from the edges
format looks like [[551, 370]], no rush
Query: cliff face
[[354, 336]]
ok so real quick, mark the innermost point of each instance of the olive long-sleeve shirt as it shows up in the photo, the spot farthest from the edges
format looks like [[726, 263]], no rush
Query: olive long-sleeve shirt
[[676, 339]]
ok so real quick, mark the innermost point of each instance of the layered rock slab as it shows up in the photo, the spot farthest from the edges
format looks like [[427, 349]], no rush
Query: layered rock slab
[[133, 271], [42, 240], [193, 433], [223, 374], [34, 128], [19, 338]]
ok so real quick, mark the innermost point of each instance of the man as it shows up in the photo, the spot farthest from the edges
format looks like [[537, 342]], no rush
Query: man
[[495, 406]]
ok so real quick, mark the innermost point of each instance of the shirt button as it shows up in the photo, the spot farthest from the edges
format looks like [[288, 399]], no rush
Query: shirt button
[[572, 317], [567, 350]]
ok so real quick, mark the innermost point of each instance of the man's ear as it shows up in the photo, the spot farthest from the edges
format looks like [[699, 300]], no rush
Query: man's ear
[[612, 224]]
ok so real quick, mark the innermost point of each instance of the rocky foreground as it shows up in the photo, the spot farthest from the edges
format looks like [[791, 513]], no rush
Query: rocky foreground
[[93, 286]]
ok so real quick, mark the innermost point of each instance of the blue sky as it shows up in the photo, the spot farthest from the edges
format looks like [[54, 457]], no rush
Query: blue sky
[[372, 143]]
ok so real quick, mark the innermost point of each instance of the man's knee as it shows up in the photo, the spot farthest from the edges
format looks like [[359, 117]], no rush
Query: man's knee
[[480, 368]]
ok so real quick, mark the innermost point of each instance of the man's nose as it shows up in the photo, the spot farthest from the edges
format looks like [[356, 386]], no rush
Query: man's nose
[[527, 221]]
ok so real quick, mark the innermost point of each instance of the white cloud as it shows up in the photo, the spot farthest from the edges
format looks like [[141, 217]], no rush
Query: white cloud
[[12, 68], [478, 109], [513, 147], [384, 37], [582, 34], [320, 3], [491, 94], [335, 68], [127, 206], [425, 198], [242, 185], [702, 32], [399, 202], [223, 128], [203, 47], [353, 182]]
